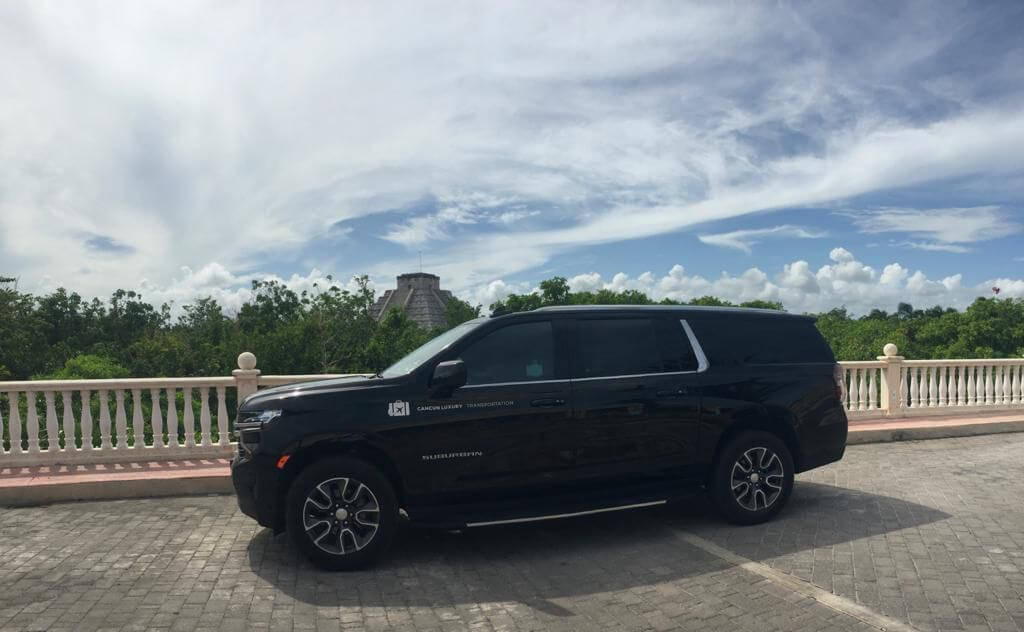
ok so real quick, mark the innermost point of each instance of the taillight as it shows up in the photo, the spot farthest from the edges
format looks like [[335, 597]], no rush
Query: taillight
[[837, 373]]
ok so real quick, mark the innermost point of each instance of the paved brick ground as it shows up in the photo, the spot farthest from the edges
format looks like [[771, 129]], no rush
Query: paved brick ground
[[931, 533]]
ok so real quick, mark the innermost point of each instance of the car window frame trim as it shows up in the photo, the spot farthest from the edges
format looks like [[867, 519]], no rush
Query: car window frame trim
[[702, 366]]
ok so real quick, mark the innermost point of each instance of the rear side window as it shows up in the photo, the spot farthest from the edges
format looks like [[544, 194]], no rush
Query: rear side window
[[737, 341], [630, 346], [521, 352]]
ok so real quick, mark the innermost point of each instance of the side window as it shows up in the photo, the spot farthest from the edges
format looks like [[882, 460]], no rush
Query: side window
[[521, 352], [623, 346], [762, 340], [676, 348]]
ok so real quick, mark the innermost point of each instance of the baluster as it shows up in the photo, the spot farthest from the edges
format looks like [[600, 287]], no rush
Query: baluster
[[862, 389], [223, 432], [988, 384], [903, 387], [1015, 384], [32, 422], [138, 425], [156, 418], [846, 390], [68, 422], [961, 386], [1, 428], [14, 418], [1007, 394], [104, 422], [854, 395], [86, 398], [914, 403], [933, 391], [922, 385], [971, 393], [172, 417], [943, 396], [951, 385], [872, 400], [189, 418], [52, 435], [997, 384], [204, 416], [122, 421]]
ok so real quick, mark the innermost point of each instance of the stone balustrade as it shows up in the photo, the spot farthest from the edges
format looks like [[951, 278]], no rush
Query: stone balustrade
[[108, 421], [126, 420], [895, 387]]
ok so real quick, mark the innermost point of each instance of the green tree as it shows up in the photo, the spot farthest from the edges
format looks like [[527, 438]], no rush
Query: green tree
[[395, 336], [458, 311], [90, 367]]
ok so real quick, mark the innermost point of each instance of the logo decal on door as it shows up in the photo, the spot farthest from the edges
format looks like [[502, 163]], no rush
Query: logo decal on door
[[452, 455], [398, 409]]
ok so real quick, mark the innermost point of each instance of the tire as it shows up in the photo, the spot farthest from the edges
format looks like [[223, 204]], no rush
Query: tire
[[330, 513], [753, 478]]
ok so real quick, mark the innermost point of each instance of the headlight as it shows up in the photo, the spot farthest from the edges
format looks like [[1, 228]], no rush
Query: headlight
[[258, 417], [249, 425], [265, 416]]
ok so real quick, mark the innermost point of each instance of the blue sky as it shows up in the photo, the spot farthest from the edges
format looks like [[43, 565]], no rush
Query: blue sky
[[820, 154]]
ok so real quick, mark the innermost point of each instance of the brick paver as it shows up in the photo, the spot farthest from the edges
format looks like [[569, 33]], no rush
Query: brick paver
[[931, 533]]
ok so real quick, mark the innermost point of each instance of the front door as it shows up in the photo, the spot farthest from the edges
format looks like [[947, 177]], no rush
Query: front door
[[507, 434], [636, 403]]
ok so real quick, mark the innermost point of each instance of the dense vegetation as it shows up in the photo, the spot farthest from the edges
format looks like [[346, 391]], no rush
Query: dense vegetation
[[62, 335]]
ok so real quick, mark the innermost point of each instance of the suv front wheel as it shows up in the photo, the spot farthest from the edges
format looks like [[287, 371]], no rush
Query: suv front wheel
[[342, 513], [753, 478]]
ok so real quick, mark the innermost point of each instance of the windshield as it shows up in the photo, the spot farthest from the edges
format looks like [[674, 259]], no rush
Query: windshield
[[429, 349]]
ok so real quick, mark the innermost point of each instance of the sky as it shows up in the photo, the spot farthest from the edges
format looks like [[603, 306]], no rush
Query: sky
[[819, 154]]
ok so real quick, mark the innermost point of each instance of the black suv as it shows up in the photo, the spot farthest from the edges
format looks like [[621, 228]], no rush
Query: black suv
[[556, 412]]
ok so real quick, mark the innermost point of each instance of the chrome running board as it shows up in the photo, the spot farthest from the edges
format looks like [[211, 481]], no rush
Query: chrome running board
[[565, 515]]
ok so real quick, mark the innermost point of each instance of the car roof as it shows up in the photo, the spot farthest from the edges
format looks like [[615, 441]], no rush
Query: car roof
[[702, 310]]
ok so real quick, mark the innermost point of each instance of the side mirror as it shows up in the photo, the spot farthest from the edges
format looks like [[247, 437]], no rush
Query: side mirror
[[449, 375]]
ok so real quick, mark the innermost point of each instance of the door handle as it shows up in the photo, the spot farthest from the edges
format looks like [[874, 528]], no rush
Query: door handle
[[679, 392], [547, 402]]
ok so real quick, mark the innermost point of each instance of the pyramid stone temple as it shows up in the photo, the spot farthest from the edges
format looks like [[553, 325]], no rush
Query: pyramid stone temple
[[420, 296]]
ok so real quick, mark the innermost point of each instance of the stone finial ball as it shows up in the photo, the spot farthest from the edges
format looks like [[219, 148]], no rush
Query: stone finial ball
[[889, 350], [246, 361]]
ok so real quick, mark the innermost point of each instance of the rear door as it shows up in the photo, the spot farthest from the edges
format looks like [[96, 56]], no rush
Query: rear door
[[636, 401]]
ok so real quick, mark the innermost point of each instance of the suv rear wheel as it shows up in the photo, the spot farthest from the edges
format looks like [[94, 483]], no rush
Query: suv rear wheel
[[753, 478], [342, 513]]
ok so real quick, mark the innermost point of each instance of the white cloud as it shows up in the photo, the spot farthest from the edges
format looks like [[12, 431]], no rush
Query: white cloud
[[511, 217], [433, 227], [493, 292], [174, 132], [745, 239], [936, 247], [845, 282], [231, 291], [798, 276], [944, 228]]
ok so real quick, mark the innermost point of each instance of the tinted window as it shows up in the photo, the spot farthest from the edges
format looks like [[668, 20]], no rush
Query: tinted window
[[627, 346], [676, 348], [515, 353], [428, 350], [732, 341]]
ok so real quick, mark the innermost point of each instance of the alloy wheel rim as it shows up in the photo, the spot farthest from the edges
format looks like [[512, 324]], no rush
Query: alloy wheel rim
[[757, 478], [341, 516]]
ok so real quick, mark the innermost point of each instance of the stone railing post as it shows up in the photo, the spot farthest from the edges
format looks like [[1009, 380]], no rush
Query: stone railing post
[[247, 376], [890, 401]]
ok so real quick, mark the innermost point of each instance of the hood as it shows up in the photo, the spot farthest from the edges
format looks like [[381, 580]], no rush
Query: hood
[[278, 395]]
